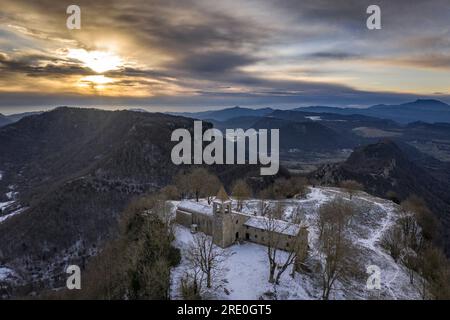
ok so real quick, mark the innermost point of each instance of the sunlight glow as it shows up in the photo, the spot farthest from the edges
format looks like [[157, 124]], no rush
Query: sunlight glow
[[98, 61], [95, 83], [97, 79]]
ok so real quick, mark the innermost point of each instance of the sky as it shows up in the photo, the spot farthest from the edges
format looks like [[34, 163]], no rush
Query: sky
[[193, 55]]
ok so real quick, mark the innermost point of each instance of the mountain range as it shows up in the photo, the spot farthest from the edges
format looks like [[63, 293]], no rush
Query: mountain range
[[426, 110], [4, 120], [226, 114]]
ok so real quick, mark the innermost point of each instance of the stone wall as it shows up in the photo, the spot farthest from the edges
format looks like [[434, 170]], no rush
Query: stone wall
[[282, 241], [183, 218], [204, 222], [228, 228]]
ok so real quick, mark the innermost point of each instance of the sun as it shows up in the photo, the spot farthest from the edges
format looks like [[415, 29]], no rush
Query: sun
[[96, 83], [97, 79], [98, 61]]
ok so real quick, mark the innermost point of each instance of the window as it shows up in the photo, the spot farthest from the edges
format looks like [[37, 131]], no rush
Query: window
[[256, 236], [237, 221]]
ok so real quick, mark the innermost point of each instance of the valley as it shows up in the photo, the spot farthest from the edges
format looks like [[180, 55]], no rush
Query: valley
[[62, 195]]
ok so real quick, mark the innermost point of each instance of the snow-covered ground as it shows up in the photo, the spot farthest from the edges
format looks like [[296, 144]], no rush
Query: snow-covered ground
[[5, 273], [11, 206], [12, 214], [5, 205], [244, 271]]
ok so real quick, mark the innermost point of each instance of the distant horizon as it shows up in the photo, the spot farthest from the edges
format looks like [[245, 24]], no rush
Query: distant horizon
[[180, 109]]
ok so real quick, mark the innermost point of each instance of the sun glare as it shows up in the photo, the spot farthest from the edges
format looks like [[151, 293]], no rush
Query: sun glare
[[97, 79], [98, 61], [95, 83]]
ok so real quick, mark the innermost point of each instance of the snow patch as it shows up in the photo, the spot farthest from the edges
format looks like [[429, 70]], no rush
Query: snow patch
[[4, 205], [6, 273], [11, 195], [12, 214], [279, 226], [243, 274], [190, 207]]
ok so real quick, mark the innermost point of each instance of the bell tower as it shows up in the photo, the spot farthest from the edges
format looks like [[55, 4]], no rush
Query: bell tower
[[221, 218]]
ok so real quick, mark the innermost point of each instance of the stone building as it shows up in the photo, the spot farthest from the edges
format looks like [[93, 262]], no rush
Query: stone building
[[227, 226]]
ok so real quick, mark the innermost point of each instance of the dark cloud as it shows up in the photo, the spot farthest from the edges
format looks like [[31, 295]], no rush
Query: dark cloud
[[136, 72], [216, 62], [41, 66], [327, 55]]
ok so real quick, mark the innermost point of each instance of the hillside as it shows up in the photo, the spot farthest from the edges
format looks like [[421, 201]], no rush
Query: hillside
[[4, 120], [244, 270], [306, 135], [383, 167], [66, 176]]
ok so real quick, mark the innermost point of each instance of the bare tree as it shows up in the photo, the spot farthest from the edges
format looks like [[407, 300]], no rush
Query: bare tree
[[269, 223], [205, 256], [277, 231], [181, 181], [191, 285], [352, 187], [289, 188], [198, 182], [336, 249], [211, 186], [298, 214], [337, 211], [159, 206], [411, 232], [393, 196], [423, 215], [297, 252], [434, 268], [171, 192], [404, 240], [241, 191], [410, 260], [392, 241]]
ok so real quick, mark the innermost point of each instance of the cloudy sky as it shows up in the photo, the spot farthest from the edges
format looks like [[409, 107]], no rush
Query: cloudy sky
[[194, 54]]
